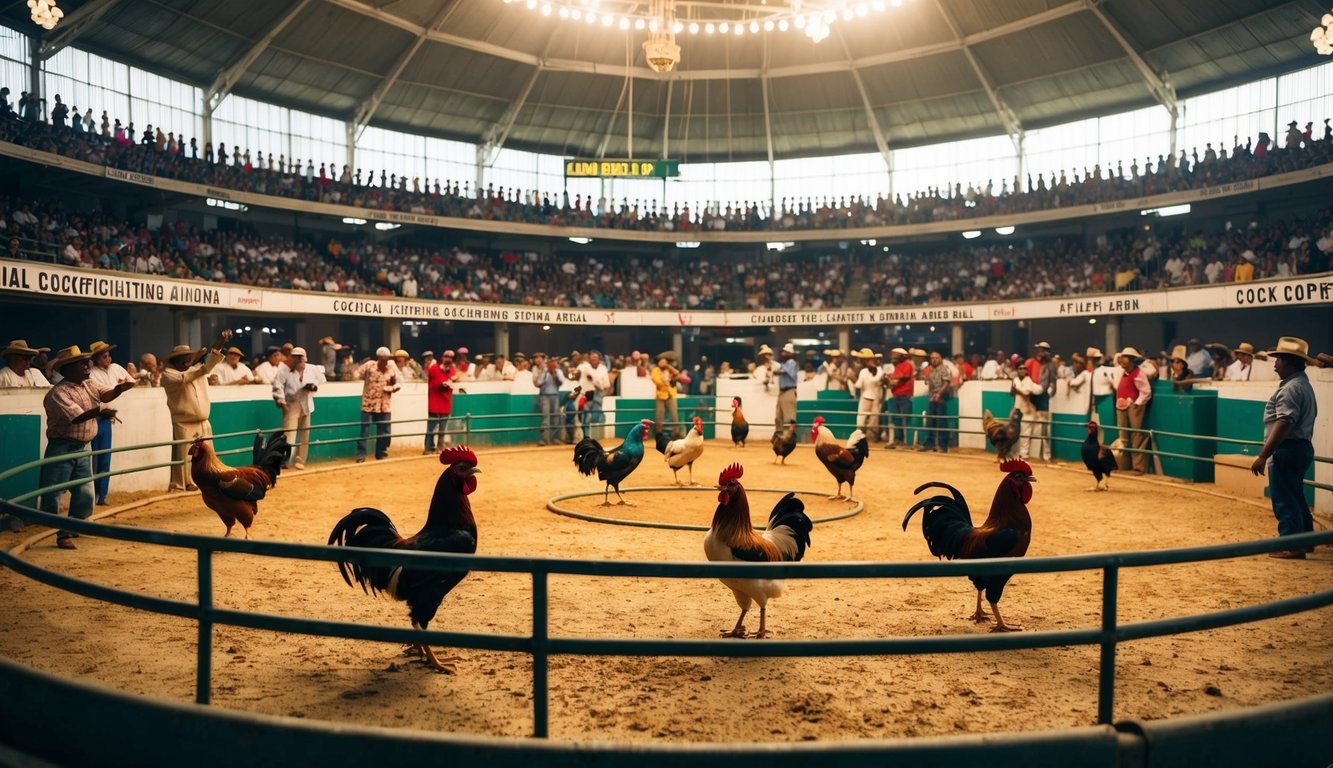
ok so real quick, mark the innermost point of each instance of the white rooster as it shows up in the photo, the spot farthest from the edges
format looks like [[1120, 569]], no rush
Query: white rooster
[[685, 451]]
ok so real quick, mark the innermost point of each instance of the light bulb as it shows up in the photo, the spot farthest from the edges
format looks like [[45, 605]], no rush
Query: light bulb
[[724, 28], [694, 27]]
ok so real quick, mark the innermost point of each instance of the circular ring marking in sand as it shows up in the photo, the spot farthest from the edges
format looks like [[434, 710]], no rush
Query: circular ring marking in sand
[[554, 506]]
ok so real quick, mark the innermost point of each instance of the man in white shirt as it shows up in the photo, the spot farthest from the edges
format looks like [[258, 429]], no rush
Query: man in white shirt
[[595, 380], [232, 371], [265, 371], [503, 369], [1024, 388], [990, 371], [294, 389], [19, 370], [1243, 366], [869, 386], [763, 367], [111, 377]]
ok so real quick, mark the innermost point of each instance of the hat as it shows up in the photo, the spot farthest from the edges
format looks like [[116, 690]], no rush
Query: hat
[[295, 351], [447, 353], [20, 347], [73, 355], [520, 356], [1093, 352], [1129, 352], [462, 350], [1194, 342], [268, 351], [764, 349], [1220, 349], [669, 355], [1178, 352], [400, 353], [237, 351], [427, 353], [98, 347], [1292, 124], [1290, 345], [833, 353], [1042, 345], [1015, 357], [536, 355], [1244, 348], [865, 353], [477, 358], [180, 350], [789, 348], [917, 352], [383, 352]]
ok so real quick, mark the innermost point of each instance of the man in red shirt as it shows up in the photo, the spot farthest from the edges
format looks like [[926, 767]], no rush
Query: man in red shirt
[[439, 400], [902, 380], [1132, 394]]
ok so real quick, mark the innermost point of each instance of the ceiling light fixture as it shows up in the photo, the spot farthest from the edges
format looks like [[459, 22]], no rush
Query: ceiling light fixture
[[45, 14], [1322, 36]]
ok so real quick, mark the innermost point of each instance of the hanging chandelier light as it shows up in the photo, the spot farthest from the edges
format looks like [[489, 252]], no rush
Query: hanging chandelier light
[[45, 13], [664, 19], [1322, 36]]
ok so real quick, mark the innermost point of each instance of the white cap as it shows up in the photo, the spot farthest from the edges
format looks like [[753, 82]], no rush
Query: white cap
[[298, 351], [789, 348], [383, 352]]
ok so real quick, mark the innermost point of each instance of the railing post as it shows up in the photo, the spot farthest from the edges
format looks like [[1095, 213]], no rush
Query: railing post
[[540, 684], [203, 683], [467, 429], [1106, 684]]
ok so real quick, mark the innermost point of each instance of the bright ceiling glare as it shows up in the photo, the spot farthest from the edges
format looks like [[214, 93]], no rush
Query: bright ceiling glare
[[1168, 210], [580, 240], [1322, 36], [972, 234], [1004, 230], [688, 244]]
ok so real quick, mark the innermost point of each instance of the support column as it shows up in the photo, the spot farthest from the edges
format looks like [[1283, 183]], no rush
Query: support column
[[845, 338], [35, 71], [393, 334], [502, 339], [351, 148], [1112, 336], [206, 123], [481, 171], [188, 329], [258, 341], [956, 331], [678, 346]]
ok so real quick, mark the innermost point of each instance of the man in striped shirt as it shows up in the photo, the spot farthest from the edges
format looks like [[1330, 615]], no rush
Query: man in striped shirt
[[72, 408]]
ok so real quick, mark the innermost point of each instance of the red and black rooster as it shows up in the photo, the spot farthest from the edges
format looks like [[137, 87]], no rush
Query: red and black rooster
[[234, 493], [1099, 459], [740, 428], [947, 525], [784, 442], [449, 527]]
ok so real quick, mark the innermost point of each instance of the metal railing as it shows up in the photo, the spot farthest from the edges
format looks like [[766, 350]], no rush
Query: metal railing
[[540, 644]]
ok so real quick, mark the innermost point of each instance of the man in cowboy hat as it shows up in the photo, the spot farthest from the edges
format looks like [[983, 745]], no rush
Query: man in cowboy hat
[[294, 392], [1039, 369], [869, 387], [785, 412], [109, 377], [232, 371], [19, 370], [763, 366], [1242, 369], [836, 370], [185, 380], [902, 385], [408, 369], [72, 408], [1288, 451], [664, 380], [1132, 394]]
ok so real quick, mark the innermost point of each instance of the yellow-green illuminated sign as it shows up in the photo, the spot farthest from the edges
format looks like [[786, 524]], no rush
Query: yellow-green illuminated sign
[[621, 169]]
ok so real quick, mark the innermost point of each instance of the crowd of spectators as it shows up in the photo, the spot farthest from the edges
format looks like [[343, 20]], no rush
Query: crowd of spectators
[[155, 152]]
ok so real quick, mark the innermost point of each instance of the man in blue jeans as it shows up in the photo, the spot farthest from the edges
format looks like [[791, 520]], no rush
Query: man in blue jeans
[[940, 384], [380, 377], [1288, 451], [548, 377], [72, 409]]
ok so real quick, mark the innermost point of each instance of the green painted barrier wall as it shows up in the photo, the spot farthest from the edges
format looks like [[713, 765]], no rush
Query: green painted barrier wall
[[20, 441], [687, 407]]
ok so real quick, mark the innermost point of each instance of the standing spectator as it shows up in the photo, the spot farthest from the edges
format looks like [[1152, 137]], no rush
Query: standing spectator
[[1039, 369], [1025, 390], [381, 381], [785, 412], [185, 380], [595, 381], [59, 113], [328, 356], [439, 400], [836, 370], [763, 367], [502, 368], [939, 386], [664, 380], [1131, 405], [111, 379], [71, 408], [265, 371], [19, 370], [294, 389], [902, 385], [869, 387], [466, 371], [149, 373], [1181, 376], [548, 379], [1288, 452], [408, 369], [1243, 367], [232, 371]]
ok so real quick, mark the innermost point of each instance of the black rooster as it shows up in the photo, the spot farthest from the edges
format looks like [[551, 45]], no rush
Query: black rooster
[[784, 442], [449, 527], [1099, 459], [613, 466]]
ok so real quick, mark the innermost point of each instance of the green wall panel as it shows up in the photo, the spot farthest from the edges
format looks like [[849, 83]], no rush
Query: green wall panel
[[20, 443]]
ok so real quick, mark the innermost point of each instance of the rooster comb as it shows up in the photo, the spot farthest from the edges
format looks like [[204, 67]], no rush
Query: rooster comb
[[454, 454], [732, 472], [1016, 465]]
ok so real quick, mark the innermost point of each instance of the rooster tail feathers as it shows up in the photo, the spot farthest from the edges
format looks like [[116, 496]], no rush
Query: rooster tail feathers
[[272, 455], [362, 527], [945, 523], [586, 453], [789, 512]]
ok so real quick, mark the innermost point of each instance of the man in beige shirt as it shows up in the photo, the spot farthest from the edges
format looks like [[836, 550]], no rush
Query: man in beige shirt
[[185, 380]]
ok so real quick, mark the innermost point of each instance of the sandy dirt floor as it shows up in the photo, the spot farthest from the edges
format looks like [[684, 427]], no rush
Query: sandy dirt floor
[[692, 699]]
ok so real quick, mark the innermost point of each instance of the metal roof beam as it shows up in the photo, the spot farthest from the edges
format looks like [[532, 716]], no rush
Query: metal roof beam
[[372, 103], [1159, 85], [74, 25], [499, 133], [880, 141], [230, 76], [1008, 119]]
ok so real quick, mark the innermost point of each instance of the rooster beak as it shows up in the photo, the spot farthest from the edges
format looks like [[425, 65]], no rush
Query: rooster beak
[[474, 471], [1031, 479]]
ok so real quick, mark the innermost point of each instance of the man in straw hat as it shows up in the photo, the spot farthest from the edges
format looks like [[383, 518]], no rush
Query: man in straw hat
[[72, 409], [1132, 394], [1288, 451], [232, 371], [763, 366], [902, 385], [294, 390], [869, 386], [836, 370], [381, 380], [1242, 369], [785, 412], [109, 377], [185, 380], [19, 370], [664, 380]]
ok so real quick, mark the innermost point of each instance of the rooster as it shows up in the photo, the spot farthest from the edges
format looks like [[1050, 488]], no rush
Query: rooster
[[234, 493], [947, 525], [841, 461], [613, 466], [1002, 435], [685, 451], [449, 527], [784, 442], [732, 538], [740, 428], [1099, 459]]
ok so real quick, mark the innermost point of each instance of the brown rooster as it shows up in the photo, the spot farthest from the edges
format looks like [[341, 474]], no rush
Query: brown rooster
[[841, 461], [234, 493], [740, 428], [732, 538], [947, 525], [1002, 435], [784, 442]]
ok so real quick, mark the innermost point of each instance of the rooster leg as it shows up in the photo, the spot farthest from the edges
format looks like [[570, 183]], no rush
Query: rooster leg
[[444, 665], [839, 496], [606, 496], [763, 631], [739, 629], [1000, 626], [980, 616], [622, 502], [692, 474]]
